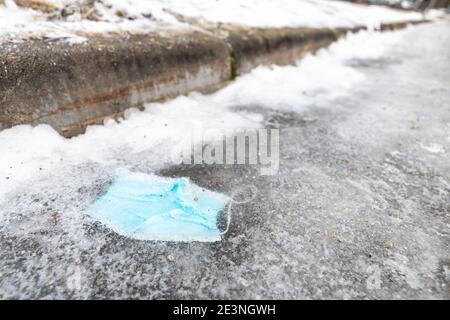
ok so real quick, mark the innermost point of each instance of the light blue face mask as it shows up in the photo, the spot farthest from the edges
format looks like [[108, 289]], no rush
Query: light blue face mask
[[149, 207]]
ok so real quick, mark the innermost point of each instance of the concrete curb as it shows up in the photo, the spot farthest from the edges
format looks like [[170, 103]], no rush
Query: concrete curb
[[70, 86], [250, 48]]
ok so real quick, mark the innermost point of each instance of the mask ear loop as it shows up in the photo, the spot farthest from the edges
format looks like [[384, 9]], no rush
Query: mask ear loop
[[236, 192]]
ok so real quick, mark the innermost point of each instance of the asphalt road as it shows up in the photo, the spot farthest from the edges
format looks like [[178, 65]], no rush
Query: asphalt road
[[360, 207]]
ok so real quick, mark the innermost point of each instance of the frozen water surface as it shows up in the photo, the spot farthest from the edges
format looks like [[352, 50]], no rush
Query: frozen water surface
[[358, 209]]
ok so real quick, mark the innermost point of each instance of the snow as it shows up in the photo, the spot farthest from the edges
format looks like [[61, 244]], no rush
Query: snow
[[47, 182], [434, 148], [18, 23], [47, 242], [283, 13], [138, 16], [156, 135]]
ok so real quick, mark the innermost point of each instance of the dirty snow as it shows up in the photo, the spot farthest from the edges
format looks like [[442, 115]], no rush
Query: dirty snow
[[18, 23], [311, 234], [164, 128], [137, 16]]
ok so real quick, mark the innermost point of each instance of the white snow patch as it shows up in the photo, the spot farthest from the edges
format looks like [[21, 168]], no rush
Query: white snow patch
[[18, 23], [283, 13], [139, 16], [434, 148]]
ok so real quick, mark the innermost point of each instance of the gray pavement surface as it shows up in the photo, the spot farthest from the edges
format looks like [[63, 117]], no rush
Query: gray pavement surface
[[360, 207]]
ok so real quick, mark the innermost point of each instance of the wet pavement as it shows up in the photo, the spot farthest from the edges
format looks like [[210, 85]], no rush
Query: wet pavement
[[360, 206]]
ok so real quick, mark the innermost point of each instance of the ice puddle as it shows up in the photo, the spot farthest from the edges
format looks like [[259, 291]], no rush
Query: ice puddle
[[148, 207]]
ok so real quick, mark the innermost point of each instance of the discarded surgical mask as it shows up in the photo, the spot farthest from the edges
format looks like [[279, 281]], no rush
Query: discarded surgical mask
[[149, 207]]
